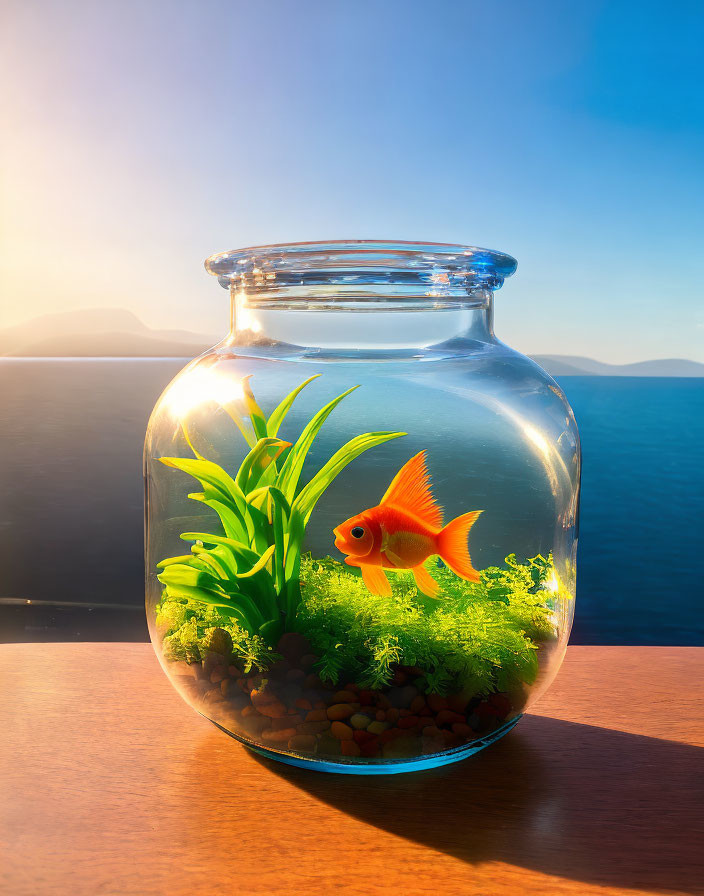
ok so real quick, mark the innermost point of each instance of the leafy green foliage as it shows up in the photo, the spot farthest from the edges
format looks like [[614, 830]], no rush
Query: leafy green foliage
[[193, 628], [478, 637], [250, 572]]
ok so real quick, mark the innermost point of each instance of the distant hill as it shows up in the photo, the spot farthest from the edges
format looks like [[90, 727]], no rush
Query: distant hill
[[98, 332], [116, 332], [568, 365]]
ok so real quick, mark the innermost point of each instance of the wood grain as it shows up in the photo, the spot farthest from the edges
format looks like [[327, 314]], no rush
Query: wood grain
[[111, 784]]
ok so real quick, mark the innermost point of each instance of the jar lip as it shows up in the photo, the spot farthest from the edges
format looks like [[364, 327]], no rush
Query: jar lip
[[361, 262]]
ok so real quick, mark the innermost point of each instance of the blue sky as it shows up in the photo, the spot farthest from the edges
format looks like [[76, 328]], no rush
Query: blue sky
[[143, 136]]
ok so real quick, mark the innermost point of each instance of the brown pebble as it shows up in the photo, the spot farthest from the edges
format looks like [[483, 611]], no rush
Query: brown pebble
[[404, 712], [344, 697], [304, 743], [339, 711], [341, 731], [448, 717], [417, 705], [380, 715], [218, 673], [432, 731], [316, 715], [313, 727], [370, 749], [267, 704], [286, 722], [302, 703], [377, 727], [501, 703], [363, 737], [451, 740], [432, 744], [305, 662], [312, 680], [214, 695], [462, 729], [437, 703], [328, 745], [391, 734], [401, 747], [350, 748], [458, 703], [366, 698], [408, 722], [281, 736], [255, 724], [392, 715], [296, 675]]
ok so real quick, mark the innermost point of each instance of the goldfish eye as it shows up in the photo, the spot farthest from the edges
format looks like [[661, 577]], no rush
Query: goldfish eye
[[357, 532]]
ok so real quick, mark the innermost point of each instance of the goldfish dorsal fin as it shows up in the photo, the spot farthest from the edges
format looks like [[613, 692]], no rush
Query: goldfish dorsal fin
[[410, 491]]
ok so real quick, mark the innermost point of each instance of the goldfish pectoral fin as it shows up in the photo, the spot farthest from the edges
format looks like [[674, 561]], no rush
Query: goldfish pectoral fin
[[375, 580], [394, 558], [425, 582], [351, 561]]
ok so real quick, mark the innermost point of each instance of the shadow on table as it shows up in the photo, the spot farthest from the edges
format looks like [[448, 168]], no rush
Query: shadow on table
[[591, 805]]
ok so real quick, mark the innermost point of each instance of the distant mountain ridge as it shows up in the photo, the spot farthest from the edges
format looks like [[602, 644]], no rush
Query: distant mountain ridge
[[569, 365], [98, 332], [116, 332]]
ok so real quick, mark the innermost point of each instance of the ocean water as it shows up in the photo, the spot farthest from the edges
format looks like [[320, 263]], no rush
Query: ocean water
[[71, 507]]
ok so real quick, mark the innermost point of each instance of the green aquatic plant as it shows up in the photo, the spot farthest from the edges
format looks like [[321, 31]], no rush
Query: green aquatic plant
[[481, 636], [250, 572], [477, 637]]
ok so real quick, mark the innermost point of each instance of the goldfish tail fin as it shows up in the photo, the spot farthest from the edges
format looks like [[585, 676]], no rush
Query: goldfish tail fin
[[425, 582], [375, 579], [452, 546]]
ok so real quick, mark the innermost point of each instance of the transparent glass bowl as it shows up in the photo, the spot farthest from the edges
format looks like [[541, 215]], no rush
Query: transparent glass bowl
[[361, 510]]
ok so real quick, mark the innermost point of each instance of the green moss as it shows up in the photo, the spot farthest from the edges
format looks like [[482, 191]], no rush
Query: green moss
[[193, 629], [479, 637]]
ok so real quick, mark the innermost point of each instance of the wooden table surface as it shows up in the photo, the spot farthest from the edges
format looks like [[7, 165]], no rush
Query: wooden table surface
[[110, 783]]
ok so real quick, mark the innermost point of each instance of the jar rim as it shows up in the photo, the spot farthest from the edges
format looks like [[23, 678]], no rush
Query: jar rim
[[362, 263]]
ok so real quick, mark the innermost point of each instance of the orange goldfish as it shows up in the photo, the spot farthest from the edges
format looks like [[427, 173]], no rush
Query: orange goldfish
[[403, 530]]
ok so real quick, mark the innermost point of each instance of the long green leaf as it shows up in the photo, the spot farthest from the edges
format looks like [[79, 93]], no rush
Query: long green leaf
[[256, 415], [310, 494], [214, 562], [183, 574], [259, 565], [245, 613], [183, 558], [232, 522], [257, 460], [209, 473], [244, 558], [291, 471], [277, 416]]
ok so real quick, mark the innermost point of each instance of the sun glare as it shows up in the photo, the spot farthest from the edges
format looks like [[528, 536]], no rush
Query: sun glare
[[199, 387]]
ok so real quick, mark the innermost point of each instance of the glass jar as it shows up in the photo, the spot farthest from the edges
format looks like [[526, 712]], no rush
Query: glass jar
[[361, 510]]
